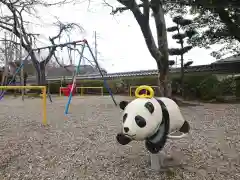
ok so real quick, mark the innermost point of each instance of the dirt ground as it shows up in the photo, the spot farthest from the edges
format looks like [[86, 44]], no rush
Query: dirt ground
[[82, 145]]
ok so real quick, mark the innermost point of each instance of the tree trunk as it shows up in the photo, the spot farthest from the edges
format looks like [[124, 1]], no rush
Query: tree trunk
[[182, 61], [182, 77], [42, 74], [162, 63], [162, 84]]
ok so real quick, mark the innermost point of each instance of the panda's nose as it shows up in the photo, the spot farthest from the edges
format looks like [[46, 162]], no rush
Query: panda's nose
[[126, 129]]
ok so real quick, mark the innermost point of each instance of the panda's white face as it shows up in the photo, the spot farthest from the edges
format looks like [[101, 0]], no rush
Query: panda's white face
[[141, 118]]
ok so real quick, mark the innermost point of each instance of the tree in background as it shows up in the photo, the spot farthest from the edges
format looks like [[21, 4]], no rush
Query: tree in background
[[180, 37], [13, 21], [217, 22], [141, 11], [218, 26]]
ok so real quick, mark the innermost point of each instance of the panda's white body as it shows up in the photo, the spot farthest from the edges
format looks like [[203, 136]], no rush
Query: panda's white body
[[175, 115], [145, 118]]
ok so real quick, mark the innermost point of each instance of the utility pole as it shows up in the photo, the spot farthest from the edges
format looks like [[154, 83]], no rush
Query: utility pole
[[21, 61], [176, 62], [95, 37]]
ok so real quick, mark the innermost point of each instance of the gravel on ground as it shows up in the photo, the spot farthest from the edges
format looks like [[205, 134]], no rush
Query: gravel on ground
[[82, 145]]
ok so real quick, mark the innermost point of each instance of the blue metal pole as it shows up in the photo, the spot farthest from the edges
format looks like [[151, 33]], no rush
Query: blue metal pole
[[104, 80], [10, 82], [74, 81]]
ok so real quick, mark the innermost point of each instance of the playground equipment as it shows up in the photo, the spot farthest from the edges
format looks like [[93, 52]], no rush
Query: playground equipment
[[13, 78], [82, 89], [11, 82], [152, 120], [66, 90], [44, 97], [85, 44], [145, 95], [142, 90]]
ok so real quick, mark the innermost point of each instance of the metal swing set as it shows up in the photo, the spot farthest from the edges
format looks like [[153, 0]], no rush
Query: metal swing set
[[84, 44]]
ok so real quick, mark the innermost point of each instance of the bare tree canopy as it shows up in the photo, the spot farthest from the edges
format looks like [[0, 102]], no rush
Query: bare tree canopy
[[13, 19]]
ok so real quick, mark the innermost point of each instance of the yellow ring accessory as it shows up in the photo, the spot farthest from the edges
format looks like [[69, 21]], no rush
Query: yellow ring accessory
[[147, 88]]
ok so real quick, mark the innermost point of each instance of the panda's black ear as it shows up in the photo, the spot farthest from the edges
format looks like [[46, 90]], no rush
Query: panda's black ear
[[123, 104], [149, 107]]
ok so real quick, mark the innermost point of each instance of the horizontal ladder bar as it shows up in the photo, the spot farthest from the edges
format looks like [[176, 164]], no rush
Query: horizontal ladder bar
[[22, 87]]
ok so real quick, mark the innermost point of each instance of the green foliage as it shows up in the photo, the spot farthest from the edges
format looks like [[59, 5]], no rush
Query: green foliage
[[171, 62], [190, 33], [205, 87], [187, 64], [208, 88], [214, 28], [179, 36], [178, 52], [180, 24], [181, 21], [54, 88], [172, 29], [238, 87], [185, 22], [201, 86], [227, 86], [177, 19], [217, 22], [117, 85]]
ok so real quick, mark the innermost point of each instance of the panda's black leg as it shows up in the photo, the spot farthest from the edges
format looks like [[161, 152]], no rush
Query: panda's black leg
[[185, 127]]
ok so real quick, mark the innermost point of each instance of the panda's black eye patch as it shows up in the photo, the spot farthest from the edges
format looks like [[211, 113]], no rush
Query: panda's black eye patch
[[140, 121], [124, 117]]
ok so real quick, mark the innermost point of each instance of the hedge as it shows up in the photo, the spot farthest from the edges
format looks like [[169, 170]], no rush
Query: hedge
[[238, 87], [205, 86]]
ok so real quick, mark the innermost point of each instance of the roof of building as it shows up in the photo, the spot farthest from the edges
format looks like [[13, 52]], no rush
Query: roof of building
[[231, 59], [59, 71], [54, 71]]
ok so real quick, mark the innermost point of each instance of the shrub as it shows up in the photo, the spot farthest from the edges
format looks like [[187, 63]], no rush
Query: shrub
[[200, 86], [204, 86], [238, 87], [54, 87], [209, 88], [227, 86], [176, 85]]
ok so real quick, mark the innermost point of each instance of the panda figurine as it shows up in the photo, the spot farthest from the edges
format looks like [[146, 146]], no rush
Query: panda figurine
[[152, 120]]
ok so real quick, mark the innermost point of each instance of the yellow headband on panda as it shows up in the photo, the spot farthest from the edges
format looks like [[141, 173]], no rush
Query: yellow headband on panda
[[147, 88]]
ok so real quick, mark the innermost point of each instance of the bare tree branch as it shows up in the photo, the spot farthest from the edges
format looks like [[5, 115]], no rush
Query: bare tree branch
[[62, 28], [13, 21]]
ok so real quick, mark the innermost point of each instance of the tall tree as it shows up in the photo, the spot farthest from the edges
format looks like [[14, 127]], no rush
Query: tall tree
[[218, 22], [14, 22], [158, 50], [180, 36], [218, 26]]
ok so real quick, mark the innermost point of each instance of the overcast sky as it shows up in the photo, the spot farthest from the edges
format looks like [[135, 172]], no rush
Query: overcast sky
[[120, 43]]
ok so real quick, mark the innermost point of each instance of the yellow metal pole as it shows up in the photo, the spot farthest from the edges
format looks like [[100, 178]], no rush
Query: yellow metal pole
[[22, 87], [81, 91], [44, 92]]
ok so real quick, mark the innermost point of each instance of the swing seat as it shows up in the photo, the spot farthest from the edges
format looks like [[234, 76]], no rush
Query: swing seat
[[66, 90]]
